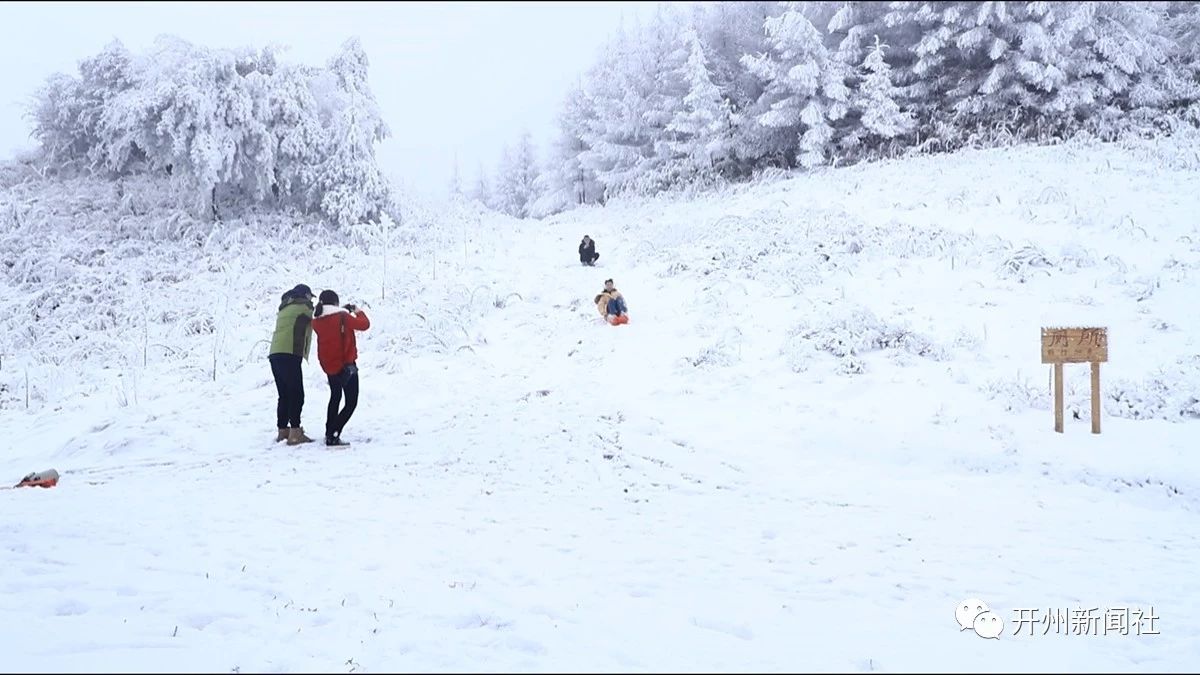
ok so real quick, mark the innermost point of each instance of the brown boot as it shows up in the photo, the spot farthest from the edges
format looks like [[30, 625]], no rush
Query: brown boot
[[296, 437], [282, 435]]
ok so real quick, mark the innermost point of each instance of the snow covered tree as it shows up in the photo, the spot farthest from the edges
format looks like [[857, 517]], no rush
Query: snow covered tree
[[456, 190], [235, 124], [729, 31], [353, 189], [483, 191], [618, 137], [881, 115], [192, 124], [505, 197], [1112, 53], [300, 138], [657, 63], [702, 126], [515, 180], [565, 182], [805, 93], [1182, 27], [55, 114], [68, 113]]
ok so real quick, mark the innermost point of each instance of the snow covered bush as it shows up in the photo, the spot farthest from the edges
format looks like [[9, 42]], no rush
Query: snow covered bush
[[1170, 393], [1024, 263], [230, 128], [1016, 393], [848, 331], [719, 353]]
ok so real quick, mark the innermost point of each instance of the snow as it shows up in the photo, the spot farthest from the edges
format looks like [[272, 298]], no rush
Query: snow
[[702, 489]]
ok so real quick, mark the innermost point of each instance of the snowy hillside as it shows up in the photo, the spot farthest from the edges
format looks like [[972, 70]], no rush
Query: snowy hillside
[[825, 426]]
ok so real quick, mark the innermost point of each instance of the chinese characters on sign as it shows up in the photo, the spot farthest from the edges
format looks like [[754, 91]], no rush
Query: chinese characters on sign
[[1091, 621], [1074, 345]]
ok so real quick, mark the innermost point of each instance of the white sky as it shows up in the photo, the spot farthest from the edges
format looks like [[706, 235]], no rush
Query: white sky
[[450, 77]]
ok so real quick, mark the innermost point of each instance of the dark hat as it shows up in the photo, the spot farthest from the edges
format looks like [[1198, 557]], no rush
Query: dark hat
[[328, 297], [301, 291]]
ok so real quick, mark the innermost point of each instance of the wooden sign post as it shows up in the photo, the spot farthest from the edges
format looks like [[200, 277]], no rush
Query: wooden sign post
[[1075, 345]]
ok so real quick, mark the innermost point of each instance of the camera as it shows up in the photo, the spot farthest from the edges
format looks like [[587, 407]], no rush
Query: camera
[[351, 308]]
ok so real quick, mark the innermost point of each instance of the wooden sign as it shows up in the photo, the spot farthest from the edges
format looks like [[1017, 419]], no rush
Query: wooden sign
[[1075, 345]]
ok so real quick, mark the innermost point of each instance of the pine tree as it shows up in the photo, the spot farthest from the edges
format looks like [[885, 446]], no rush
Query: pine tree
[[881, 116], [455, 182], [566, 182], [805, 92], [525, 175], [505, 195], [701, 127], [1182, 27], [1115, 55], [731, 30], [483, 192], [618, 137]]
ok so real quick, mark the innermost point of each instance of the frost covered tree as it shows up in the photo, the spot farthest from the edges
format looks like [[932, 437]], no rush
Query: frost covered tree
[[659, 61], [504, 197], [515, 180], [800, 83], [483, 190], [805, 93], [620, 137], [566, 182], [876, 101], [234, 126], [67, 113], [702, 125], [456, 190], [1182, 27], [352, 186], [299, 136]]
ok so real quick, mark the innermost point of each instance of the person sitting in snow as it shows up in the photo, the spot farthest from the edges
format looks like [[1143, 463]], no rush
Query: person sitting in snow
[[611, 304], [587, 251], [337, 351]]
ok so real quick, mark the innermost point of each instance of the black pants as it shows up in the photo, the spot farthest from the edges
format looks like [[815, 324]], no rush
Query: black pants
[[591, 259], [345, 381], [289, 381]]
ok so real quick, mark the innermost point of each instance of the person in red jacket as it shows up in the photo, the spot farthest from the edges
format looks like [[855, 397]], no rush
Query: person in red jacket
[[337, 352]]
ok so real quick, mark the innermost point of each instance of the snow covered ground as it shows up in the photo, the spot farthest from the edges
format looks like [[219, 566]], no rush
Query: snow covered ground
[[825, 426]]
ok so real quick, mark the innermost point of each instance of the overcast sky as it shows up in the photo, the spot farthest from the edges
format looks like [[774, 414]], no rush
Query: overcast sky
[[452, 78]]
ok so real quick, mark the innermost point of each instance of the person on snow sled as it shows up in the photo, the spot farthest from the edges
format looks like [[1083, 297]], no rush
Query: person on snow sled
[[337, 350], [611, 305], [587, 251]]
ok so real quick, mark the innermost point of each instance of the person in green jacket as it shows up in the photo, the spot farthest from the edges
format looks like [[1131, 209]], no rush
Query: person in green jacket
[[289, 344]]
